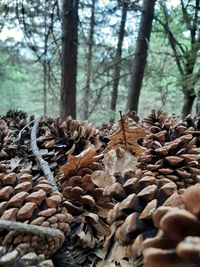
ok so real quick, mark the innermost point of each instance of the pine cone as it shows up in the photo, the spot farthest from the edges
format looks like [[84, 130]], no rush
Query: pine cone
[[17, 258], [159, 119], [178, 240], [4, 133], [58, 139], [173, 150], [86, 203], [67, 133], [16, 119], [55, 139], [35, 203], [141, 194], [164, 169]]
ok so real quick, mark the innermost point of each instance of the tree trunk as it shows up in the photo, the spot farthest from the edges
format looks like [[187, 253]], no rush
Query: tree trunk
[[189, 82], [198, 104], [45, 61], [89, 63], [117, 61], [188, 91], [45, 86], [141, 53], [69, 58], [189, 97]]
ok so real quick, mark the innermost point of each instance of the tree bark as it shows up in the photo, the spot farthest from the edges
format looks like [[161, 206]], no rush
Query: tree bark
[[89, 63], [117, 60], [198, 104], [188, 90], [45, 60], [189, 81], [69, 58], [45, 86], [189, 97], [141, 53]]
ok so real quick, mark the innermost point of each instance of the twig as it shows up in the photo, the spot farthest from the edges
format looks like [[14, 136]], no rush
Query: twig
[[20, 133], [192, 132], [29, 228], [122, 125], [43, 164]]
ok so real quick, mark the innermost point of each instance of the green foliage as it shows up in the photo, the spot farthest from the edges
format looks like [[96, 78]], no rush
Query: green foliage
[[18, 84]]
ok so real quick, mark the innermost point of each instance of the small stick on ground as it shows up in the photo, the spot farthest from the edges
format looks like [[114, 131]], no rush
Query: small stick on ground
[[29, 228], [122, 126], [20, 133], [192, 132], [43, 164]]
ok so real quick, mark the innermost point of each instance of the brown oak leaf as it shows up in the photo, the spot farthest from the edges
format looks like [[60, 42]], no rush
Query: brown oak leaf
[[81, 160], [127, 137]]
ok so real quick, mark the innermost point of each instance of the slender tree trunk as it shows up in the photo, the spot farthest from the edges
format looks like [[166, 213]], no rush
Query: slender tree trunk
[[198, 104], [89, 63], [189, 97], [141, 53], [189, 82], [69, 58], [45, 62], [45, 86], [117, 61]]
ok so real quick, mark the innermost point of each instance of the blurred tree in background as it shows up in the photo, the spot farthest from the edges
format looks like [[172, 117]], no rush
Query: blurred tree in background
[[69, 58], [33, 49], [141, 53]]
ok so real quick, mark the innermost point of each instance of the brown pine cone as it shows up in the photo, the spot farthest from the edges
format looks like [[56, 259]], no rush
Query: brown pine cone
[[159, 120], [141, 194], [86, 203], [16, 119], [56, 140], [173, 150], [18, 258], [65, 135], [178, 240], [36, 203], [4, 133]]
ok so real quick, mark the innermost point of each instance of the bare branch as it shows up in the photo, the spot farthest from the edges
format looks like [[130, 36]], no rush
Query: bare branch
[[20, 133], [108, 68], [29, 228], [43, 164], [100, 91]]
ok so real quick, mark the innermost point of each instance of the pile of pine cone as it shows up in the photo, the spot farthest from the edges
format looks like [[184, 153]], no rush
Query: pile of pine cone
[[178, 242], [114, 197]]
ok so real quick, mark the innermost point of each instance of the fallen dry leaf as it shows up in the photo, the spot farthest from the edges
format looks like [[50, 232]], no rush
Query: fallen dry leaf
[[119, 160], [101, 228], [87, 238], [116, 257], [115, 160], [127, 137], [81, 160], [102, 178]]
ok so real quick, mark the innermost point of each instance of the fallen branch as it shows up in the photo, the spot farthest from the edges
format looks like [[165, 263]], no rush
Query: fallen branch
[[29, 228], [192, 132], [20, 133], [43, 164]]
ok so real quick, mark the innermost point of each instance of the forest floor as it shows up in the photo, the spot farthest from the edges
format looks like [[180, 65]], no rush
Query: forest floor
[[121, 195]]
